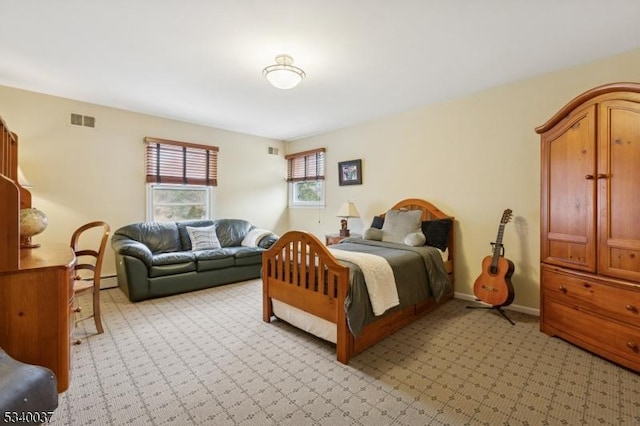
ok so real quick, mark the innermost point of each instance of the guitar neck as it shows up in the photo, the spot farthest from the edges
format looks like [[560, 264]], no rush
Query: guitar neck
[[497, 248]]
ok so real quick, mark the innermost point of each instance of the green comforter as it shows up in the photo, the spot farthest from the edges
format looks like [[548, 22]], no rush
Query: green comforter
[[419, 273]]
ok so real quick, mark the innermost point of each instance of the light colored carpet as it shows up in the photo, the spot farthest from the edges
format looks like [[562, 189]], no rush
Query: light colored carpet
[[207, 358]]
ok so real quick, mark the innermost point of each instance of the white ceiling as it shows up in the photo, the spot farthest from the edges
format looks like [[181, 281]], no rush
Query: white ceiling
[[201, 61]]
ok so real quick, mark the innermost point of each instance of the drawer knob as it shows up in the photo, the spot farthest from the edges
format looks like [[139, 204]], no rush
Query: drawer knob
[[631, 308], [632, 346], [588, 177], [77, 309], [563, 289]]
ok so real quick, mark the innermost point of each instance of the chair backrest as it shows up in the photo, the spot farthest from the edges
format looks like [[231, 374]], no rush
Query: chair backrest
[[94, 264]]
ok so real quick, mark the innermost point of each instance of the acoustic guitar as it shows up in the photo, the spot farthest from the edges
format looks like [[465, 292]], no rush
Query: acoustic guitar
[[493, 286]]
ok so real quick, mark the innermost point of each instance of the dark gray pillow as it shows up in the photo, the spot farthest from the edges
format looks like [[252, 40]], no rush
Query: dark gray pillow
[[437, 232], [377, 222]]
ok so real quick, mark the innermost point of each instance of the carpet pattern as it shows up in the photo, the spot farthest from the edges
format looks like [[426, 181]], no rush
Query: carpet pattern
[[207, 358]]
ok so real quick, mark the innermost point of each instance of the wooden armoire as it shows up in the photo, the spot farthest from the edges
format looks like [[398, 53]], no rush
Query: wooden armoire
[[590, 223]]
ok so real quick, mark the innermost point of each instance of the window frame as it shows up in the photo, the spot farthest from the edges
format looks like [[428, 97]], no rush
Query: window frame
[[150, 206], [179, 166], [297, 203], [306, 167]]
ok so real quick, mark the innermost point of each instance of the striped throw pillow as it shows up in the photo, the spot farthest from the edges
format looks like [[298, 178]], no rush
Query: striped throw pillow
[[203, 237]]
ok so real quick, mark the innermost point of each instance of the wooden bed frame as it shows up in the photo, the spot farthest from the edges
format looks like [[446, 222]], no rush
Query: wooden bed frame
[[298, 261]]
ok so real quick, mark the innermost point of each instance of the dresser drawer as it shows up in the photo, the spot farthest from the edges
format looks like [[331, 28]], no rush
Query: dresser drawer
[[590, 295], [610, 339]]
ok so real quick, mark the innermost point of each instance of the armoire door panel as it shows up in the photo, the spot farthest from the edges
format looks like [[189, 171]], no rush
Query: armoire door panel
[[618, 189], [569, 181], [569, 253]]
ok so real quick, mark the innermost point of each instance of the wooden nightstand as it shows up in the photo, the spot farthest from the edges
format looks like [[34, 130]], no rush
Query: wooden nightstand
[[331, 239]]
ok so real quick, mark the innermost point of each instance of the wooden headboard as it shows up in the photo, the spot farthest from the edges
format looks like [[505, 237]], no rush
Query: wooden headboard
[[429, 211], [13, 197]]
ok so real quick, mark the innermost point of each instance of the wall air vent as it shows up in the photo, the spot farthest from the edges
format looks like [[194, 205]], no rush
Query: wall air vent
[[83, 120], [273, 150], [76, 119], [89, 121]]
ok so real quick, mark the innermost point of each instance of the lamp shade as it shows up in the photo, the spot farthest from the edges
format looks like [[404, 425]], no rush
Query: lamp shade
[[283, 75], [348, 209]]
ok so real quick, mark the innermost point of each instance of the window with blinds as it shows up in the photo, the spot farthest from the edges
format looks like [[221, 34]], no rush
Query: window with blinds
[[181, 162], [180, 177], [305, 174]]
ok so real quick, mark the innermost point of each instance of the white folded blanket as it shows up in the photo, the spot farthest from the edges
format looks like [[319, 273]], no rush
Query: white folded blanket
[[378, 276], [254, 236]]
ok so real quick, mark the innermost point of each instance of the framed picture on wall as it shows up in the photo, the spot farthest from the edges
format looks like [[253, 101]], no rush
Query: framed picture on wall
[[350, 172]]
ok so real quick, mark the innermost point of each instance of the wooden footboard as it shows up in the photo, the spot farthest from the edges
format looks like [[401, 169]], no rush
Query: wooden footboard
[[299, 271]]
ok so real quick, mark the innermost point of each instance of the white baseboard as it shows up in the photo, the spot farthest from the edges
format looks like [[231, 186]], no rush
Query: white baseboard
[[110, 281], [516, 308]]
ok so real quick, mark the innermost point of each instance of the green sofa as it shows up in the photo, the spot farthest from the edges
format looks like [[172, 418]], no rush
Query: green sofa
[[155, 259]]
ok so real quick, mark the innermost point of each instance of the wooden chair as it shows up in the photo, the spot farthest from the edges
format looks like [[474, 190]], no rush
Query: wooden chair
[[91, 260]]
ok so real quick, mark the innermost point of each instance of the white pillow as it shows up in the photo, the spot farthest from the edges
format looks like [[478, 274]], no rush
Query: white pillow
[[415, 239], [400, 223], [373, 234], [203, 237]]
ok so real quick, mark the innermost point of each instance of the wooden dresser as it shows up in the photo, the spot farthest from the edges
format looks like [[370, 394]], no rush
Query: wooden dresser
[[35, 309], [36, 284], [590, 226]]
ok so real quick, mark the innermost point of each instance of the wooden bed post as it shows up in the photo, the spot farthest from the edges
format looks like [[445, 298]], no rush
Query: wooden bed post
[[344, 338], [267, 309]]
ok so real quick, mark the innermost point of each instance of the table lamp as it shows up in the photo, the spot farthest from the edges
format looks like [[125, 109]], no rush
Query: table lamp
[[347, 210]]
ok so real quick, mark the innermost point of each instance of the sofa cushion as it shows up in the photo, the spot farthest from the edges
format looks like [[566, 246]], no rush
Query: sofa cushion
[[159, 237], [171, 258], [172, 263], [203, 237], [231, 232], [214, 259], [172, 269], [248, 256]]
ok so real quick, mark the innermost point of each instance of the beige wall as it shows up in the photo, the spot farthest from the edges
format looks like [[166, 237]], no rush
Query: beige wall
[[82, 174], [473, 157]]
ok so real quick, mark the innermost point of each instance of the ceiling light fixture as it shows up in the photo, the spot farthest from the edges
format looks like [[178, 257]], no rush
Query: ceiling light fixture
[[282, 74]]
